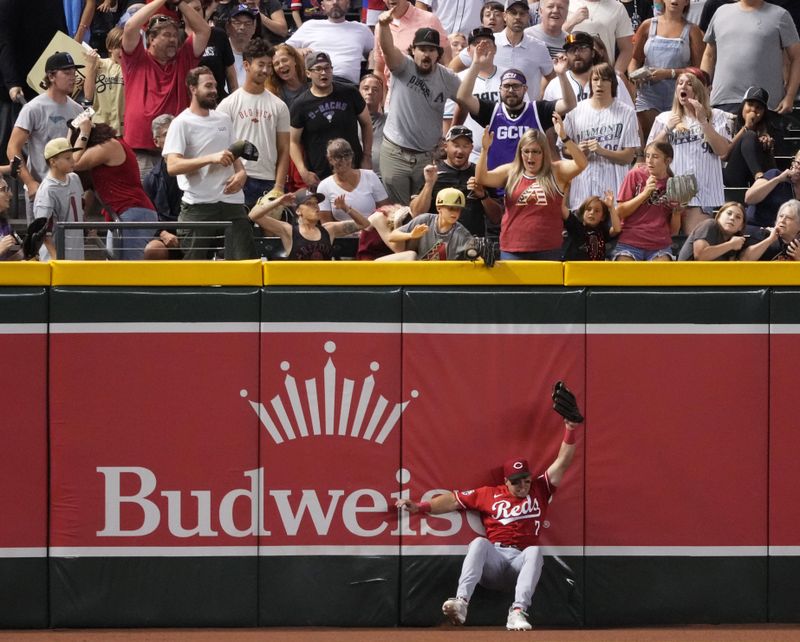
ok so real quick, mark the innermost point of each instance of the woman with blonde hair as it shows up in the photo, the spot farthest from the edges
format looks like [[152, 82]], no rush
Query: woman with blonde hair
[[532, 224], [700, 138]]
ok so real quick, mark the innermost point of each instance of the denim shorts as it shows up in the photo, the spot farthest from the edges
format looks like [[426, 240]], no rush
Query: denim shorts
[[638, 254]]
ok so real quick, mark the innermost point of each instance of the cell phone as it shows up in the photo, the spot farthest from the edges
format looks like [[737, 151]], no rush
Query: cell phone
[[16, 163]]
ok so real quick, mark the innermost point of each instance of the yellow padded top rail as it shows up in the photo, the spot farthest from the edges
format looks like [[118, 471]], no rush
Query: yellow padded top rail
[[24, 273], [157, 273], [690, 273], [413, 273]]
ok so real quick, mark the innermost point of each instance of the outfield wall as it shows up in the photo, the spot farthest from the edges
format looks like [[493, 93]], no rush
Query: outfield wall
[[221, 444]]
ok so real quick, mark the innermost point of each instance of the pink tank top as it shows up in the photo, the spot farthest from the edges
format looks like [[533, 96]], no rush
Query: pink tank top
[[532, 221]]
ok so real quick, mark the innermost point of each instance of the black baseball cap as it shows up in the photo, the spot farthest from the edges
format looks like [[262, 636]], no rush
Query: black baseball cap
[[303, 196], [577, 39], [757, 94], [426, 37], [480, 32], [457, 131], [243, 9], [61, 60]]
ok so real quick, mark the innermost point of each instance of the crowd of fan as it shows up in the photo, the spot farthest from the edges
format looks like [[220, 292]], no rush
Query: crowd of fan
[[551, 130]]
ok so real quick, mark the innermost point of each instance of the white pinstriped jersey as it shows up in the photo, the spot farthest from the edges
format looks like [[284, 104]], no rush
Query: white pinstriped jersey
[[553, 90], [615, 128], [694, 156]]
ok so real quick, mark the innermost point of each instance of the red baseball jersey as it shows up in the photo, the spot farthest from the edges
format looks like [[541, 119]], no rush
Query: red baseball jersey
[[510, 520]]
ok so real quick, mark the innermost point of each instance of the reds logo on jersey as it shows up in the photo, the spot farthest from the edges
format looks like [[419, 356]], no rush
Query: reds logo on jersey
[[533, 194], [505, 513]]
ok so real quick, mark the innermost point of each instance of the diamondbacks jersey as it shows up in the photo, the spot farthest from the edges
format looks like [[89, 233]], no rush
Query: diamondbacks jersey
[[510, 520], [614, 127], [532, 221], [693, 155]]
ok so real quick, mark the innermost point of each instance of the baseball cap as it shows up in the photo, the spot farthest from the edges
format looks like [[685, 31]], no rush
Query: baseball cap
[[578, 39], [426, 36], [61, 60], [57, 146], [515, 469], [513, 74], [303, 196], [457, 131], [241, 9], [480, 32], [450, 197], [510, 3], [758, 94], [316, 57]]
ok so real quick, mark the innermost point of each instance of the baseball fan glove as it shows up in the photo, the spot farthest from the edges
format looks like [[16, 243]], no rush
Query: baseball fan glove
[[34, 237], [682, 189], [485, 249], [564, 403]]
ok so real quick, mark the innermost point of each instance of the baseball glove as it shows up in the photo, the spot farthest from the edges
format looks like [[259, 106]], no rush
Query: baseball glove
[[565, 404], [37, 231], [682, 189], [485, 249]]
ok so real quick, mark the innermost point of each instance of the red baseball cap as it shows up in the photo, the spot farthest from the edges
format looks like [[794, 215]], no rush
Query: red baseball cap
[[515, 469]]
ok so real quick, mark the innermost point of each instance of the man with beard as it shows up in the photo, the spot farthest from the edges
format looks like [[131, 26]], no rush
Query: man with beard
[[414, 125], [581, 57], [43, 119], [512, 116], [327, 110], [154, 76], [211, 178], [346, 42], [261, 118], [482, 213]]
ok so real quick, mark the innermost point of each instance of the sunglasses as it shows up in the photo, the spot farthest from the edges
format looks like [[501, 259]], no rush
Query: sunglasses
[[159, 19], [522, 480]]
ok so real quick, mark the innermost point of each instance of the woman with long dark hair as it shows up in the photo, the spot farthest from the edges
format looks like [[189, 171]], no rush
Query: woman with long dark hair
[[115, 174], [752, 148]]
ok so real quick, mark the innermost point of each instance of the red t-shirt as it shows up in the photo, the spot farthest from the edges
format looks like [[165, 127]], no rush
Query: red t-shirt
[[532, 221], [648, 228], [120, 186], [509, 520], [152, 89]]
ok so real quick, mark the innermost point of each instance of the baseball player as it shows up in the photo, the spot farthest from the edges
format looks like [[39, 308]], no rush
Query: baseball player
[[512, 514]]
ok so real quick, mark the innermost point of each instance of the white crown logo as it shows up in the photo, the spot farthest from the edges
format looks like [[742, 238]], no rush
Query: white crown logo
[[374, 428]]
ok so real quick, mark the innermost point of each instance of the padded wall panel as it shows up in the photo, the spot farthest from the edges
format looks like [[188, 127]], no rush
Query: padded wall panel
[[484, 362], [331, 426], [676, 468], [784, 454], [154, 457], [23, 458]]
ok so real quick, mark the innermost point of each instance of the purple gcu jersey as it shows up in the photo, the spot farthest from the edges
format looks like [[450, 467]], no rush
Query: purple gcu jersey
[[507, 132]]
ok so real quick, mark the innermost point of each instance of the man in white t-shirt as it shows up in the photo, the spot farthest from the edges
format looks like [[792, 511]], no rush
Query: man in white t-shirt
[[550, 29], [261, 118], [346, 42], [609, 20], [211, 178]]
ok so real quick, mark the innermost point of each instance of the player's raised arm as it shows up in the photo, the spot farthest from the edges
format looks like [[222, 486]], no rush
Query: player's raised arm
[[565, 404], [445, 503]]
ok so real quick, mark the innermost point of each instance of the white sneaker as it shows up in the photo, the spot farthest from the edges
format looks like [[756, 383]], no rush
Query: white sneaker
[[518, 621], [455, 609]]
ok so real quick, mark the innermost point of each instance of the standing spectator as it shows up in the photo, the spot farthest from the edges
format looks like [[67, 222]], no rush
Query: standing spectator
[[609, 20], [751, 152], [719, 239], [745, 44], [607, 133], [406, 20], [413, 128], [273, 26], [372, 91], [509, 119], [482, 212], [115, 176], [262, 119], [640, 10], [289, 78], [534, 193], [493, 16], [60, 199], [309, 239], [218, 55], [196, 149], [700, 137], [154, 77], [326, 111], [649, 219], [362, 188], [666, 45], [305, 10], [43, 119], [79, 14], [241, 29], [347, 43], [782, 242], [456, 16], [550, 29], [103, 85]]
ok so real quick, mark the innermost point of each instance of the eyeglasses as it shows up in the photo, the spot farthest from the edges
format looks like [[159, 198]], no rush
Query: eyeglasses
[[318, 69], [579, 47], [512, 87]]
